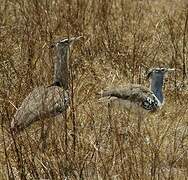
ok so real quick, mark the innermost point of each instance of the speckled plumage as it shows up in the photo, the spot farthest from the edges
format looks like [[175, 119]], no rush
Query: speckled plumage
[[138, 97], [42, 102], [131, 96], [45, 102]]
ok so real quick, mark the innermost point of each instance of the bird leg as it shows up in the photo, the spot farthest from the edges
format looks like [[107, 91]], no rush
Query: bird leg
[[140, 135], [44, 135], [110, 114]]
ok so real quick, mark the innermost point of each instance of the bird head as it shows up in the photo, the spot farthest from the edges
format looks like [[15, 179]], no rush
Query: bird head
[[66, 42], [158, 72]]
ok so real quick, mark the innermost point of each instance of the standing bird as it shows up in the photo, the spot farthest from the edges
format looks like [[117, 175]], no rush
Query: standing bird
[[137, 97], [45, 102]]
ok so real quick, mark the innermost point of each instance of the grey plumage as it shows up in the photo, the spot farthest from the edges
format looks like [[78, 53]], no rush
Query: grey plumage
[[61, 69], [41, 103], [137, 96], [44, 102], [157, 76], [131, 96]]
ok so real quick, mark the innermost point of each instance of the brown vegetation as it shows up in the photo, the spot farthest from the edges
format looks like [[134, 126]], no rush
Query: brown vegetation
[[122, 39]]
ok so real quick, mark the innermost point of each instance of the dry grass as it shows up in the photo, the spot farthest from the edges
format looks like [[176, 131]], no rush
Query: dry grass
[[122, 39]]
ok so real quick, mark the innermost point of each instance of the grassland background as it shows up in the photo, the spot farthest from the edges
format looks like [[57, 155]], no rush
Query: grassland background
[[122, 40]]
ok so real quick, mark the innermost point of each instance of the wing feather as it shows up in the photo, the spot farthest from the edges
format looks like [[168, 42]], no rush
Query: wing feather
[[42, 102], [135, 94]]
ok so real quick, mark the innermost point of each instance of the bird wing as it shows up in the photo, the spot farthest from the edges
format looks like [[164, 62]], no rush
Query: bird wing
[[135, 94], [42, 102]]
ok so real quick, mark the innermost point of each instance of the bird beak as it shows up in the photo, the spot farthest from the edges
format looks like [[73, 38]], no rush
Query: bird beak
[[77, 38], [170, 70], [73, 39]]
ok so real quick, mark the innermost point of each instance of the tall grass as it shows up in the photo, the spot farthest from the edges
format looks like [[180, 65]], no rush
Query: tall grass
[[122, 39]]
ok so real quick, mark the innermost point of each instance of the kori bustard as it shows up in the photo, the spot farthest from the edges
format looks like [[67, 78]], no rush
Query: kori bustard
[[137, 97], [45, 102]]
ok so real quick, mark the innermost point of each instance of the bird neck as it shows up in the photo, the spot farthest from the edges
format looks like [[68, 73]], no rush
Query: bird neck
[[156, 88], [61, 70]]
